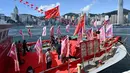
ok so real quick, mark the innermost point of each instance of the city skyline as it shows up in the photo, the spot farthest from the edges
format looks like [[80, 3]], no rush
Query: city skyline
[[99, 6]]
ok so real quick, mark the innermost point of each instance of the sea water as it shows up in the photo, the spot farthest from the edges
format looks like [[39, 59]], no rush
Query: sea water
[[124, 32]]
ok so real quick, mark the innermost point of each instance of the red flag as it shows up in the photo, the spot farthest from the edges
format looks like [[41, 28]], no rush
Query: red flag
[[21, 33], [58, 30], [38, 47], [32, 5], [105, 22], [67, 28], [20, 1], [13, 53], [52, 31], [36, 8], [65, 47], [89, 34], [44, 31], [68, 47], [26, 2], [79, 37], [95, 23], [52, 13], [29, 32], [81, 25], [109, 31], [102, 34]]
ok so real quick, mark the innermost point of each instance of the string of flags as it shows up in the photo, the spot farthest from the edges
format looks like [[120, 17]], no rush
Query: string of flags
[[32, 6]]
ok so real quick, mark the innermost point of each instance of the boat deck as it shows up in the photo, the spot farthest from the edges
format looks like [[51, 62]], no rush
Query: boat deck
[[29, 61]]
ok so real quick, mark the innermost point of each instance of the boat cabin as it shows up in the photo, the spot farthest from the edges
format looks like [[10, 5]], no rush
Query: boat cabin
[[5, 44]]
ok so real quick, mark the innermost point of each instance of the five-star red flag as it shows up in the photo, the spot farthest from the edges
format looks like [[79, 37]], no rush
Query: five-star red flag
[[81, 25], [52, 13]]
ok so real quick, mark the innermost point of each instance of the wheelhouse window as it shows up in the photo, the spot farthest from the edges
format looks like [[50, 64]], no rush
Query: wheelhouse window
[[4, 34]]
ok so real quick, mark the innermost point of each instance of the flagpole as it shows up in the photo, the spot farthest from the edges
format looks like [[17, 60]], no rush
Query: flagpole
[[82, 59], [42, 57], [68, 51]]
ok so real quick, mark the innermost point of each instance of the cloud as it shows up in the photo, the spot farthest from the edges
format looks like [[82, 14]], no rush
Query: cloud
[[47, 7], [87, 8]]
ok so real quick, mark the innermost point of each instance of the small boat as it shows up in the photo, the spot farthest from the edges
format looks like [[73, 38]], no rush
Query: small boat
[[29, 26]]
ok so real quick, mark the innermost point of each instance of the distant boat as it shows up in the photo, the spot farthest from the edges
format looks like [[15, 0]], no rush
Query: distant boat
[[29, 26]]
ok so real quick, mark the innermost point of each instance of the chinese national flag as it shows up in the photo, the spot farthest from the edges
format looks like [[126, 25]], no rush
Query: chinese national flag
[[52, 13], [81, 25]]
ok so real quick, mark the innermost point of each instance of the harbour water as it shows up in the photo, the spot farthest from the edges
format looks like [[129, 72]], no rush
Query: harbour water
[[124, 32]]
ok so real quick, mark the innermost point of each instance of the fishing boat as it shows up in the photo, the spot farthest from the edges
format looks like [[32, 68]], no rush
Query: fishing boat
[[110, 52]]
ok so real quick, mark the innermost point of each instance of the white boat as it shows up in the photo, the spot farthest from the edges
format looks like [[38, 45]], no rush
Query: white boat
[[29, 26]]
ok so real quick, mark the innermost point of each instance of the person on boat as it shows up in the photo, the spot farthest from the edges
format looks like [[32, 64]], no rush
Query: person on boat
[[25, 47], [52, 41], [19, 47], [30, 70], [58, 47], [48, 58]]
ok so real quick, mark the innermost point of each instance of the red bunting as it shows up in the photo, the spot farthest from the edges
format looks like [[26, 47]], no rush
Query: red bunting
[[20, 1], [32, 5], [41, 10], [36, 8], [27, 2]]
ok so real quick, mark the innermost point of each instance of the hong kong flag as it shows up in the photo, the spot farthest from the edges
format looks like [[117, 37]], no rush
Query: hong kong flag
[[52, 13]]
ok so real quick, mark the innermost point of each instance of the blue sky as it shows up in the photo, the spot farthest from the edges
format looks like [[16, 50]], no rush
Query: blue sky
[[100, 6]]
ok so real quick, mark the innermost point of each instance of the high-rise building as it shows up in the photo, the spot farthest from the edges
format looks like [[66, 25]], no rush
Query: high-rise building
[[120, 12], [129, 17], [15, 16], [113, 19]]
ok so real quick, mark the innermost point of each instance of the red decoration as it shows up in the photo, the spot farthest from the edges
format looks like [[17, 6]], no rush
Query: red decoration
[[36, 8], [42, 12], [32, 5], [20, 1], [39, 11], [26, 2], [52, 13]]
